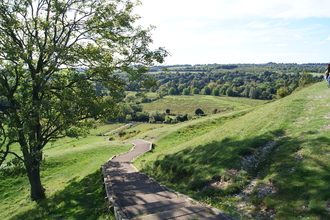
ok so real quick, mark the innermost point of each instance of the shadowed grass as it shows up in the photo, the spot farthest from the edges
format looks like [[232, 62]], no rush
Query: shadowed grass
[[80, 199]]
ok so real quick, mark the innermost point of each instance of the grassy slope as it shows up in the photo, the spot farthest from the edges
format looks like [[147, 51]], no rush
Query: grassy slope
[[188, 157], [72, 178], [188, 104]]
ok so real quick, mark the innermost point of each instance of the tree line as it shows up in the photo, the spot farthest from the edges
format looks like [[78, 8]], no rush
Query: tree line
[[254, 81]]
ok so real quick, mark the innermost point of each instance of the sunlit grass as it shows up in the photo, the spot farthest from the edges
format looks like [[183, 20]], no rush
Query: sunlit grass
[[190, 156], [72, 179], [188, 104]]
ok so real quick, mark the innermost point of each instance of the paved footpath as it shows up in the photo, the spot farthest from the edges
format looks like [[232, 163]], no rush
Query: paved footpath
[[136, 196]]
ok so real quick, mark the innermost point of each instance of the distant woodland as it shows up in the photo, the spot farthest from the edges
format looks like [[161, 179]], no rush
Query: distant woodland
[[256, 81], [253, 81]]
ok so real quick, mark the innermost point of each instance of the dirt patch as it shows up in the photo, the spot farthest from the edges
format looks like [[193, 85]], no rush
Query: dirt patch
[[266, 189], [253, 160], [245, 207]]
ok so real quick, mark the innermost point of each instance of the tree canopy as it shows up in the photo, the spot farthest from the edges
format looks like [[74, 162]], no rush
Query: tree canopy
[[52, 55]]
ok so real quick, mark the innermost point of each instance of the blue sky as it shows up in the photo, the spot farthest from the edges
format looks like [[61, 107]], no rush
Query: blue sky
[[240, 31]]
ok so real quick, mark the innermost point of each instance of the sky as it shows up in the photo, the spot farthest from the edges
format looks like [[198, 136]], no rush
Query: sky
[[239, 31]]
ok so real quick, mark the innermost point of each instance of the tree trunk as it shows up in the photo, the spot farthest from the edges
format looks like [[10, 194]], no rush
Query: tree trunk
[[37, 190]]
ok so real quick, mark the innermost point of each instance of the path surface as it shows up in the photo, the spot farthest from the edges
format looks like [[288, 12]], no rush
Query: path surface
[[136, 196]]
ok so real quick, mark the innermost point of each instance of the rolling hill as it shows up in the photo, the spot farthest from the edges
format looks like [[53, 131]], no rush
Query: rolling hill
[[264, 162]]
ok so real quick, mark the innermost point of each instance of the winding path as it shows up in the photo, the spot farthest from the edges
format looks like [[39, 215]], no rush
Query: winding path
[[136, 196]]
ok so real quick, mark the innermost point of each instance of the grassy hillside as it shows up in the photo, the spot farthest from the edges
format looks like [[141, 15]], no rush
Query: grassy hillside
[[260, 162], [72, 178], [268, 162]]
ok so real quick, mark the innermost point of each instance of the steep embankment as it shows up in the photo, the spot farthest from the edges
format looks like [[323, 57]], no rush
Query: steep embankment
[[272, 160]]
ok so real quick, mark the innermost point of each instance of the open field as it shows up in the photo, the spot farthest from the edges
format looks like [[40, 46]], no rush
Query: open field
[[188, 104]]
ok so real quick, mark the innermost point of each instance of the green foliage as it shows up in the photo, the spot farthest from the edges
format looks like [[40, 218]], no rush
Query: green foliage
[[130, 98], [141, 116], [182, 118], [172, 91], [185, 91], [206, 91], [216, 92], [72, 178], [195, 91], [45, 93], [155, 116], [265, 78], [282, 92], [199, 111], [230, 92], [306, 78]]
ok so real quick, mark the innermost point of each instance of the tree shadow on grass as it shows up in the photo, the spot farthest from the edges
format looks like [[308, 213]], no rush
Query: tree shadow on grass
[[298, 168], [195, 166], [301, 173], [81, 199]]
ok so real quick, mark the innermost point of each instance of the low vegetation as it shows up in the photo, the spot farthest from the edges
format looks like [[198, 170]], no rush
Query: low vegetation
[[265, 163], [259, 161], [72, 177]]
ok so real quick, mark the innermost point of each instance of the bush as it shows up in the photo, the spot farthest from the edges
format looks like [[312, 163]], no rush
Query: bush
[[156, 116], [199, 112], [282, 92], [182, 118], [185, 91], [195, 91], [121, 133]]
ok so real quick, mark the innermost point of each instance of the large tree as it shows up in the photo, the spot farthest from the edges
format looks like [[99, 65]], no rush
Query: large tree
[[53, 53]]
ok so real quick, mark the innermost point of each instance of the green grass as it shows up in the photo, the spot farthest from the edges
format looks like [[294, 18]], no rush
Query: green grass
[[104, 128], [188, 157], [144, 127], [72, 178], [188, 104]]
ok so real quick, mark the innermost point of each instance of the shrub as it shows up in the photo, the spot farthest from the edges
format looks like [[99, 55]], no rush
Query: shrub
[[185, 91], [199, 112], [282, 92], [182, 118]]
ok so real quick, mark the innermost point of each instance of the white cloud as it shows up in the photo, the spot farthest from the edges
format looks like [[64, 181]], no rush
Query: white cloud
[[215, 30]]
